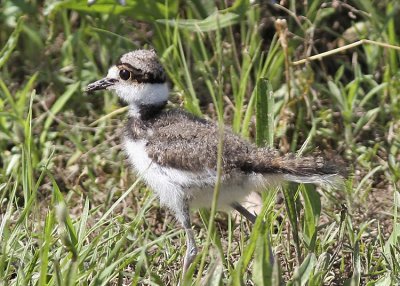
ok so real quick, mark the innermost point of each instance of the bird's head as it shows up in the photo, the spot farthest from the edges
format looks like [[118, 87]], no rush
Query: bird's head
[[138, 79]]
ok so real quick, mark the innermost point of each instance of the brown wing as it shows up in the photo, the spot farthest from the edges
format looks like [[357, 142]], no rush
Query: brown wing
[[181, 140]]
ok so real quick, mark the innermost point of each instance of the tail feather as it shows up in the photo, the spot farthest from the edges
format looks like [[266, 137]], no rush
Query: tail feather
[[314, 170], [334, 181], [309, 169]]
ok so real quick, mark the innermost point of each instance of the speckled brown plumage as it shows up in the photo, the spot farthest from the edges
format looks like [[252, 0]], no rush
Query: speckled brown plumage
[[180, 140]]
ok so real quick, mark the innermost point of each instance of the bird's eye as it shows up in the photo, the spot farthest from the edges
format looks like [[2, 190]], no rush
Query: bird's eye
[[124, 74]]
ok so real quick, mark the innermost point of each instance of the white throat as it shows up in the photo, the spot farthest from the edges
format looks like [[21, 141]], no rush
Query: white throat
[[142, 94]]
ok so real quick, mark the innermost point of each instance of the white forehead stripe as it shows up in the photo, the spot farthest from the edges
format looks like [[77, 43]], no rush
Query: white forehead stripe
[[113, 72]]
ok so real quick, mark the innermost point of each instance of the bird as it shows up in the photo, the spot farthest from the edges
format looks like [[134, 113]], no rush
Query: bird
[[176, 152]]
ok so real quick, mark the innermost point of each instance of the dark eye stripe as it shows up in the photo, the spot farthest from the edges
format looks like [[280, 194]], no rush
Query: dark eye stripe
[[141, 76]]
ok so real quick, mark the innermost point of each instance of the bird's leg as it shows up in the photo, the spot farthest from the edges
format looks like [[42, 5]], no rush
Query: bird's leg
[[191, 250], [244, 212]]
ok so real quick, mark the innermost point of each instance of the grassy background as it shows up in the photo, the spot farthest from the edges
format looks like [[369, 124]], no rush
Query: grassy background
[[72, 214]]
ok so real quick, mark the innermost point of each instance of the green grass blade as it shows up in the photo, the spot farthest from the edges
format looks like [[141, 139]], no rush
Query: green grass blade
[[45, 249], [290, 195], [312, 211], [9, 47], [264, 113], [303, 273], [263, 258], [213, 22]]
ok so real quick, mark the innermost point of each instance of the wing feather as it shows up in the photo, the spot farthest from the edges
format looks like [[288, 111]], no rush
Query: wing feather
[[181, 140]]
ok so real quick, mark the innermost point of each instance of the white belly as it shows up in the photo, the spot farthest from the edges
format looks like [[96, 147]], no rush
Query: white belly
[[172, 185]]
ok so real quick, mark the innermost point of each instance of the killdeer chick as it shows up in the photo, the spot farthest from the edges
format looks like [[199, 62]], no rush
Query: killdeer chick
[[175, 152]]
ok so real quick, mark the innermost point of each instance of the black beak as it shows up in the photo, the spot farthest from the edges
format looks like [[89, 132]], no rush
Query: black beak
[[100, 84]]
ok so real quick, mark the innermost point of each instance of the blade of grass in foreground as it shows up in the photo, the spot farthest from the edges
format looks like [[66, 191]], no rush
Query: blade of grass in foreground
[[45, 249], [27, 168], [263, 260], [312, 211], [259, 240], [218, 101], [264, 113], [290, 194], [304, 272]]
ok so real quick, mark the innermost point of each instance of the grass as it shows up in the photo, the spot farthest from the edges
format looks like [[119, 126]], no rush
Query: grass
[[71, 213]]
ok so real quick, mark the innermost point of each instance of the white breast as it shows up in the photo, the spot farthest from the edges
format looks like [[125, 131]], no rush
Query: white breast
[[172, 185]]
